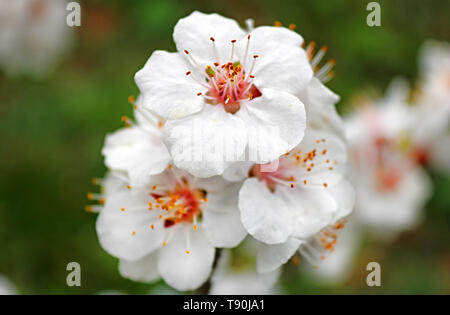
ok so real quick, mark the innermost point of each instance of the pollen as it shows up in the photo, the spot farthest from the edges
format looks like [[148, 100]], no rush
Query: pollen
[[122, 209]]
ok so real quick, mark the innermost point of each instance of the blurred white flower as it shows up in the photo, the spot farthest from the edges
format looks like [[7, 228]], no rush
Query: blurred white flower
[[33, 35], [137, 151], [170, 227], [234, 84], [435, 71], [391, 185], [303, 195], [431, 134], [236, 273], [6, 287]]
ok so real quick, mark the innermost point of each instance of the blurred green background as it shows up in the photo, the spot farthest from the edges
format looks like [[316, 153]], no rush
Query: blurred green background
[[52, 131]]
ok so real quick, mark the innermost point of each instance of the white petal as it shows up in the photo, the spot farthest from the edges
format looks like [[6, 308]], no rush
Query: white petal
[[329, 162], [344, 194], [115, 227], [214, 184], [141, 153], [317, 94], [312, 209], [270, 257], [282, 63], [275, 123], [263, 213], [165, 87], [186, 271], [320, 107], [206, 143], [144, 270], [193, 34], [221, 218], [244, 279], [112, 183], [238, 171], [245, 283], [338, 265]]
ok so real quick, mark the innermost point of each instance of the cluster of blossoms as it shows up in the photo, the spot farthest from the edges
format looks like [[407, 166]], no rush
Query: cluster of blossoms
[[33, 35], [393, 142], [234, 137]]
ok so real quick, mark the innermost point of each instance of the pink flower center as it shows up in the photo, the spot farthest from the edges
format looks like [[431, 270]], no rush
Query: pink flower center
[[294, 166], [230, 83], [229, 86], [182, 204]]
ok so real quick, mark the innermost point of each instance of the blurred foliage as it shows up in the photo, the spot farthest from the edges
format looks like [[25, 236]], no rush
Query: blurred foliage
[[53, 129]]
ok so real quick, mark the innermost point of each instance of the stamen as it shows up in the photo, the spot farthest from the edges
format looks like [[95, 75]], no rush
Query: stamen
[[214, 48], [326, 68], [246, 52], [318, 57], [188, 242], [310, 50], [93, 208], [232, 49], [189, 73]]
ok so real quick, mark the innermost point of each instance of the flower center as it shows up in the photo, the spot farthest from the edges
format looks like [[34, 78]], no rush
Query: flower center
[[389, 172], [229, 83], [38, 9], [182, 204], [292, 165]]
